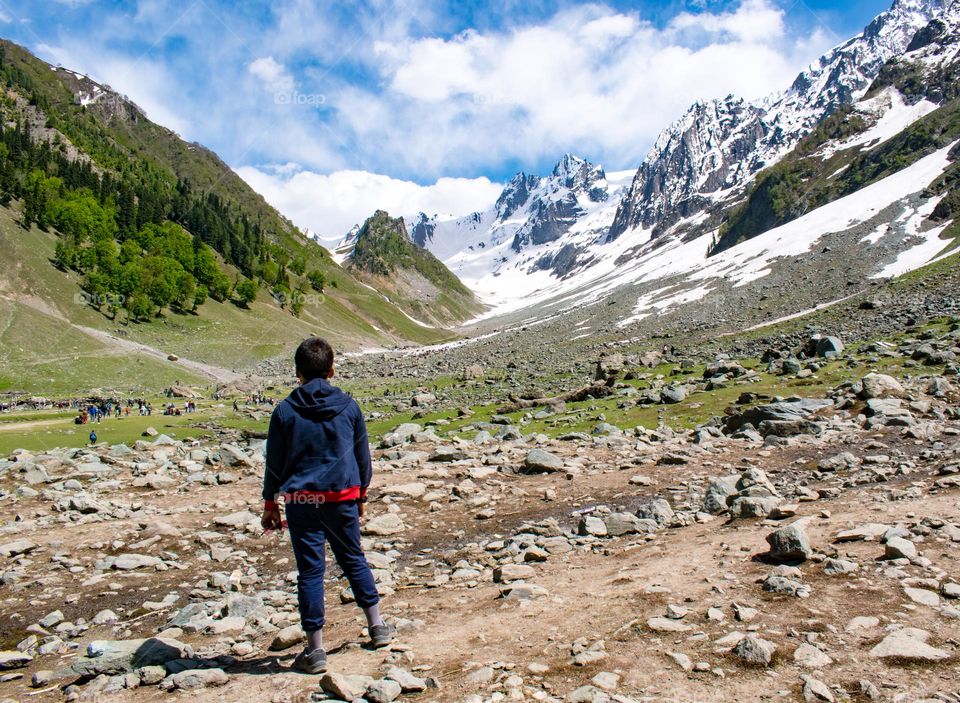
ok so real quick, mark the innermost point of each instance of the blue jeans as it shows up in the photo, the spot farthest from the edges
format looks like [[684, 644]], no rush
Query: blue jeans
[[311, 525]]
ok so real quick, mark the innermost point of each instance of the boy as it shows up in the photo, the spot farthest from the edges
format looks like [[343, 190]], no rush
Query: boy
[[318, 459]]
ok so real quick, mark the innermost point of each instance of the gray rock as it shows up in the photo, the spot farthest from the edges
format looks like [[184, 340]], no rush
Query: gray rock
[[114, 657], [408, 682], [128, 562], [286, 638], [718, 490], [17, 547], [840, 567], [513, 572], [808, 656], [785, 586], [908, 645], [13, 659], [383, 691], [815, 690], [878, 385], [590, 525], [656, 509], [671, 395], [195, 679], [345, 686], [755, 651], [384, 525], [237, 519], [900, 548], [540, 461], [627, 524], [789, 544]]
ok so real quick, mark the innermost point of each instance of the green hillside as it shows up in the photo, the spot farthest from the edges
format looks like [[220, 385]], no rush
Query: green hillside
[[113, 223], [385, 256]]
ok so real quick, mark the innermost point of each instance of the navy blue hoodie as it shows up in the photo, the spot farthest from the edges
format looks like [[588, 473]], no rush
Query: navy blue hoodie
[[317, 442]]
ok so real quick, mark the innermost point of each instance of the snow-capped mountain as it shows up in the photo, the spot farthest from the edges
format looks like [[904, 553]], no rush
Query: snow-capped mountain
[[537, 224], [720, 145], [579, 235]]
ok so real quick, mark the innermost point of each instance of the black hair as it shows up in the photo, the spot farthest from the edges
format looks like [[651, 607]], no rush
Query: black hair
[[314, 358]]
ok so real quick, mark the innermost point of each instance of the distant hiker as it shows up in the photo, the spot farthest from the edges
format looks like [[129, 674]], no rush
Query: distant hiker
[[93, 437], [236, 407], [318, 459]]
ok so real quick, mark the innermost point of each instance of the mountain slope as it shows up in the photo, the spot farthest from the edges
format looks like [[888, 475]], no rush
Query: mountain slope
[[721, 144], [88, 179], [382, 254], [698, 175], [910, 111]]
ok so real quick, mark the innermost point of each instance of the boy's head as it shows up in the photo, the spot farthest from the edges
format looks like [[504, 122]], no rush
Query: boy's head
[[313, 359]]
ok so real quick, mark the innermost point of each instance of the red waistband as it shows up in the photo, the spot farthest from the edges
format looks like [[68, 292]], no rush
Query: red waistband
[[341, 496]]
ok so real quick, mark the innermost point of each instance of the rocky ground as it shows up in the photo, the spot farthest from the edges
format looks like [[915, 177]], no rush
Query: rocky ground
[[790, 548]]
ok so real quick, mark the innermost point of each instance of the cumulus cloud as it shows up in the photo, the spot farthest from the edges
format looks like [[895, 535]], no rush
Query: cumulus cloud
[[589, 80], [331, 204], [273, 74]]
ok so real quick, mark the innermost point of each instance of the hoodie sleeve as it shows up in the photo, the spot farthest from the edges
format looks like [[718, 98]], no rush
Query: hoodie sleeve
[[361, 450], [276, 459]]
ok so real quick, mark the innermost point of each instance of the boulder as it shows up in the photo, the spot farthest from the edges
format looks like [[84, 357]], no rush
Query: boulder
[[618, 524], [541, 461], [114, 657], [879, 385], [718, 490], [908, 645], [789, 544], [656, 509]]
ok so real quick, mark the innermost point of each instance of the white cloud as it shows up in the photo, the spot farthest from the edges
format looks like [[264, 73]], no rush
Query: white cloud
[[589, 80], [273, 74], [331, 204]]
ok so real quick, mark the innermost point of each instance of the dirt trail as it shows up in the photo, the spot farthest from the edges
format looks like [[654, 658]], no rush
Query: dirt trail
[[599, 591], [216, 373]]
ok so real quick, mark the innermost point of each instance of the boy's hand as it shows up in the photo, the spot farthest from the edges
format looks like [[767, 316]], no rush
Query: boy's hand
[[361, 508], [271, 520]]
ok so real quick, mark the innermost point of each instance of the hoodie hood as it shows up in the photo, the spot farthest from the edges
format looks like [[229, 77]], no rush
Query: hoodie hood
[[319, 400]]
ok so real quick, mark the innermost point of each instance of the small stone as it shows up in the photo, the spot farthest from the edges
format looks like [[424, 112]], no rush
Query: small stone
[[815, 690], [922, 596], [344, 686], [384, 525], [286, 638], [900, 548], [408, 682], [195, 679], [667, 625], [513, 572], [755, 651], [681, 660], [13, 659], [808, 656], [383, 691]]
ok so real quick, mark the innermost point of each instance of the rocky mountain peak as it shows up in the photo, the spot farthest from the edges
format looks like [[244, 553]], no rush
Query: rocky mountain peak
[[721, 144]]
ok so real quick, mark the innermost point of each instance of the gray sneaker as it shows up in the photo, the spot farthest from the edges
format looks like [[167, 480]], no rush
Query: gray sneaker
[[382, 635], [314, 662]]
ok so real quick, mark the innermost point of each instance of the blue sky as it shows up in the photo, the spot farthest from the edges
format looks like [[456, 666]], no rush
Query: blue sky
[[332, 109]]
